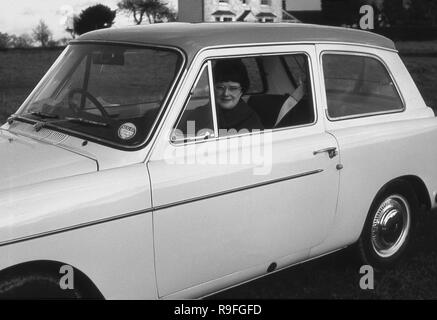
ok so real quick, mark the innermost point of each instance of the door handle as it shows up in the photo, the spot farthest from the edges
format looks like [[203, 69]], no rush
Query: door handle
[[332, 152]]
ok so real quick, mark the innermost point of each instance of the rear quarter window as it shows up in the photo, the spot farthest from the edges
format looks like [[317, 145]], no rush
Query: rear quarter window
[[358, 85]]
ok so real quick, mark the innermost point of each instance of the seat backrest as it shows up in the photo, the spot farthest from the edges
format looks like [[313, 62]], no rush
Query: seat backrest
[[302, 113], [267, 106]]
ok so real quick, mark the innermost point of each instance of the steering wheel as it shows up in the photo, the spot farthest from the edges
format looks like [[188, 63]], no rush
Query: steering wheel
[[91, 98]]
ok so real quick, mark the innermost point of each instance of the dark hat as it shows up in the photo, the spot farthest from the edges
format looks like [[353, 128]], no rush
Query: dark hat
[[231, 70]]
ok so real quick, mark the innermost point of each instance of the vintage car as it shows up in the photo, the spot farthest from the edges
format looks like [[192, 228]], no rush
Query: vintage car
[[117, 167]]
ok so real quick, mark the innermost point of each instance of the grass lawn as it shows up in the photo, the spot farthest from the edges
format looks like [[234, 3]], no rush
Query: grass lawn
[[424, 72], [417, 47], [333, 277], [337, 276], [20, 71]]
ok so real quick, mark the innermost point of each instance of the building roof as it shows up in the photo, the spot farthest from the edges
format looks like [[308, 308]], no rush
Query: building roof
[[192, 37], [223, 13], [266, 15], [243, 15]]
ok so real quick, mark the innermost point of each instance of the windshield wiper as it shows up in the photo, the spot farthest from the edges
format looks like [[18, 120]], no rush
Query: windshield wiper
[[39, 114], [44, 115], [55, 119], [86, 121], [39, 125]]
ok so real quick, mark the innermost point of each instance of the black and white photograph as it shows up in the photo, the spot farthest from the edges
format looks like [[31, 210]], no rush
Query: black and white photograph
[[218, 152]]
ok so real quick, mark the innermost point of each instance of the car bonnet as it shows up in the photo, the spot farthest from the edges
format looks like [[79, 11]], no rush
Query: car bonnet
[[26, 161]]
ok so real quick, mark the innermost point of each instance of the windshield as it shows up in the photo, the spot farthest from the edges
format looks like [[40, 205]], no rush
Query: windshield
[[109, 92]]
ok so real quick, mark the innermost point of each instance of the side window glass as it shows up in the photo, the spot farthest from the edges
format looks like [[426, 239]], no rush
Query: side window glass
[[288, 100], [196, 121], [233, 78], [357, 85], [257, 84]]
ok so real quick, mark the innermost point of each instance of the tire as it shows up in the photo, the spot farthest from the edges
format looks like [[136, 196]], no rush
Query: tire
[[387, 231]]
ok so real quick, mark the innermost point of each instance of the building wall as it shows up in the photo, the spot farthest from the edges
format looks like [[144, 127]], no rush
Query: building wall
[[303, 5], [190, 10]]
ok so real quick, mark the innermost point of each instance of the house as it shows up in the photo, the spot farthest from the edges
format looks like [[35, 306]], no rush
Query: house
[[307, 11], [231, 10]]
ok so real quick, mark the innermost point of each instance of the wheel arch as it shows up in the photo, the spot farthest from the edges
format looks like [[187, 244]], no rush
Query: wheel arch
[[417, 185], [82, 282], [414, 182]]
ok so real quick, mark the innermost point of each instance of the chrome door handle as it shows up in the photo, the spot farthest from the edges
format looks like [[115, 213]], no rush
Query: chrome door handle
[[332, 152]]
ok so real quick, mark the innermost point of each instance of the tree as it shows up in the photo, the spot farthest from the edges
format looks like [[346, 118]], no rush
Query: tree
[[395, 12], [93, 18], [424, 12], [22, 41], [5, 40], [154, 10], [42, 34], [63, 42], [417, 12], [340, 12]]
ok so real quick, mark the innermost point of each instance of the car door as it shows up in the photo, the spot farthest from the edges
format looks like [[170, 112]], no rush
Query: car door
[[226, 208]]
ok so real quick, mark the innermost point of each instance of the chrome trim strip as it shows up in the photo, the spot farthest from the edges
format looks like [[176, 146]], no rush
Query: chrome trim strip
[[78, 226], [152, 209], [223, 193]]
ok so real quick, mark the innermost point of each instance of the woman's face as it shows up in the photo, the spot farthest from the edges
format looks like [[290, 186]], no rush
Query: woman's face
[[227, 94]]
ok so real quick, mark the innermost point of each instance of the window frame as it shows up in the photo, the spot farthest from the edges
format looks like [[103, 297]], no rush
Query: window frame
[[361, 115], [268, 4], [207, 63], [166, 101]]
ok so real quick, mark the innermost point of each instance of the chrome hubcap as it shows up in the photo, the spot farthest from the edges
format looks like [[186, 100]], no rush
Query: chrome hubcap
[[391, 225]]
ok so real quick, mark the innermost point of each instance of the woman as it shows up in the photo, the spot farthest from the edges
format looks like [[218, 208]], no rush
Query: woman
[[231, 82]]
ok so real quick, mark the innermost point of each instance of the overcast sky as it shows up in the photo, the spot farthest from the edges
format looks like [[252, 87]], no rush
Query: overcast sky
[[21, 16]]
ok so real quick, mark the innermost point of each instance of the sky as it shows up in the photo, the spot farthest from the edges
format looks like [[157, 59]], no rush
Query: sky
[[22, 16]]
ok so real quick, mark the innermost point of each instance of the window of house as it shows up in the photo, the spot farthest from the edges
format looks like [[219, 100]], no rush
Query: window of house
[[358, 85], [227, 19], [265, 2]]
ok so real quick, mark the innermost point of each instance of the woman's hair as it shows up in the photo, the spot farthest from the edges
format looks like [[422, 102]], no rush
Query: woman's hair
[[231, 70]]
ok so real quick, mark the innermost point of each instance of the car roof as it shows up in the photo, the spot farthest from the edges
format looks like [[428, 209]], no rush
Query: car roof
[[192, 37]]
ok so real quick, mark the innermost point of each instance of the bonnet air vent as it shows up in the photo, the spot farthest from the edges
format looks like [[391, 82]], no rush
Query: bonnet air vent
[[44, 134]]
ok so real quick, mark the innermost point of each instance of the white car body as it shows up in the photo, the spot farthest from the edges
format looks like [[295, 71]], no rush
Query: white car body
[[140, 227]]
